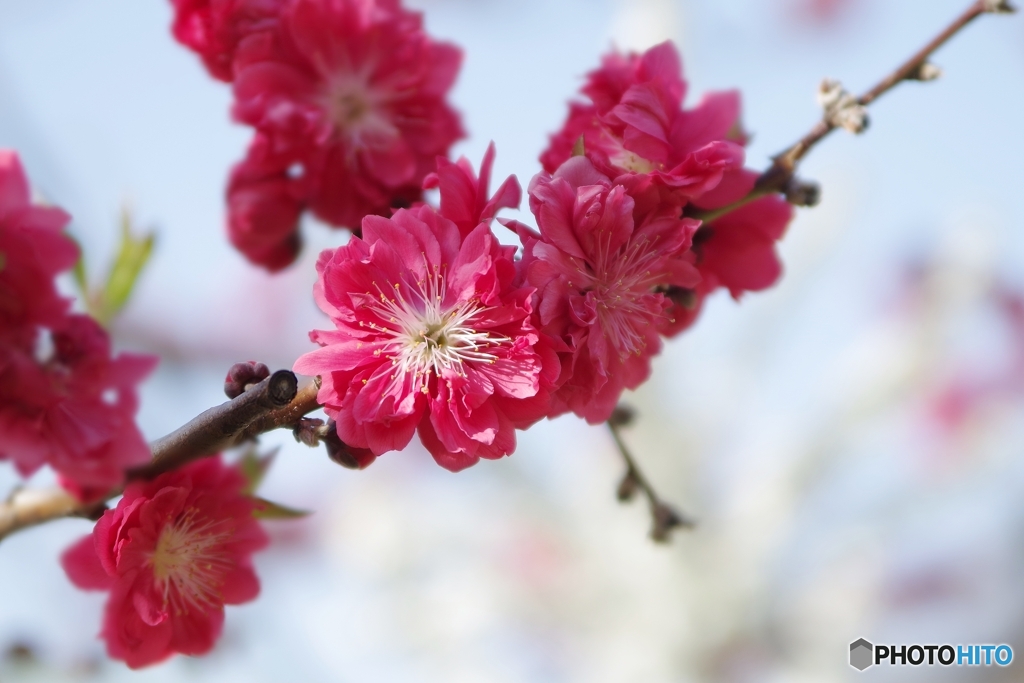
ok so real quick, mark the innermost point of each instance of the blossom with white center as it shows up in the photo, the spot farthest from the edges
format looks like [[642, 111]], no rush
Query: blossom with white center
[[353, 92], [431, 335]]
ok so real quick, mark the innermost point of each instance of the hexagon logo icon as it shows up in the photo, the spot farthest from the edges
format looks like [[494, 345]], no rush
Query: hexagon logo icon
[[861, 654]]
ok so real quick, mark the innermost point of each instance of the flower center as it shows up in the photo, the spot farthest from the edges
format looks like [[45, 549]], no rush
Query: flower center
[[422, 339], [623, 293], [357, 114], [632, 161], [351, 109], [190, 561]]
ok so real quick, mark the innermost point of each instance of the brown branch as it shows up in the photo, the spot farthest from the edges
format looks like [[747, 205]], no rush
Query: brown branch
[[219, 427], [29, 507], [664, 518], [780, 176], [273, 403]]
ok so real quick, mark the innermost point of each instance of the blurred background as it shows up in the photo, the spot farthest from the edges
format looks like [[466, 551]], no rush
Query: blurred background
[[849, 441]]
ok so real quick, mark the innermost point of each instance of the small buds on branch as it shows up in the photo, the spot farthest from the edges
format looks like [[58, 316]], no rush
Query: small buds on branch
[[842, 110], [309, 431], [343, 454], [242, 376], [664, 518], [926, 71], [802, 193], [999, 6]]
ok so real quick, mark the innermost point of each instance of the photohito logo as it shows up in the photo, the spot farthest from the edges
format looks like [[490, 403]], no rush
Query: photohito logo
[[863, 654]]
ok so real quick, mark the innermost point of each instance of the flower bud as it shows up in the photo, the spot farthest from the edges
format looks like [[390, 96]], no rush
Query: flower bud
[[841, 108], [627, 487], [622, 416], [242, 375], [802, 193], [665, 521], [925, 71], [343, 454]]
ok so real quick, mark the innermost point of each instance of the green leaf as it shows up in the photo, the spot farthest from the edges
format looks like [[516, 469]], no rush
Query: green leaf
[[266, 509], [254, 468], [132, 256], [79, 272]]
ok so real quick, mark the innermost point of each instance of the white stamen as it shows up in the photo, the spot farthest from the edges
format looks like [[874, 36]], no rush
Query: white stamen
[[423, 338]]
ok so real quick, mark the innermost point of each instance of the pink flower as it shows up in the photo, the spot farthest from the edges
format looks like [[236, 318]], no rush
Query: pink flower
[[635, 124], [71, 405], [172, 553], [464, 199], [431, 335], [33, 250], [635, 130], [264, 208], [63, 399], [600, 266], [214, 28], [351, 93]]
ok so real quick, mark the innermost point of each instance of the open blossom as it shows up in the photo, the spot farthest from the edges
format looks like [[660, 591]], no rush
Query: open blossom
[[432, 336], [172, 553], [33, 251], [351, 94], [64, 401], [601, 266], [73, 406], [635, 130], [635, 124], [214, 28]]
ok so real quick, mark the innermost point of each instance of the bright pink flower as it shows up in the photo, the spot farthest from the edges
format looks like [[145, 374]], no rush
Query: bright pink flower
[[33, 250], [635, 124], [72, 406], [214, 28], [636, 131], [600, 267], [264, 208], [63, 400], [352, 93], [431, 334], [464, 199], [736, 251], [172, 553]]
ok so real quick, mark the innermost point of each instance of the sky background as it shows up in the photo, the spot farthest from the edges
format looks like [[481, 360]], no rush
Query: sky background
[[798, 426]]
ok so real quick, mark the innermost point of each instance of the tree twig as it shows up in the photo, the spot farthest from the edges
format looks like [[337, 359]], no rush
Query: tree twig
[[273, 403], [664, 518], [219, 427], [780, 175]]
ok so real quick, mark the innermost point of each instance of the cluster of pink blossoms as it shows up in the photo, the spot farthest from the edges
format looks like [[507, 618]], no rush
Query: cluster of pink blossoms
[[64, 400], [175, 550], [440, 330], [347, 99]]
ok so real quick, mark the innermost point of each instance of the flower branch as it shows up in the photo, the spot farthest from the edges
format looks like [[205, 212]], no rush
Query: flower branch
[[664, 518], [842, 110]]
